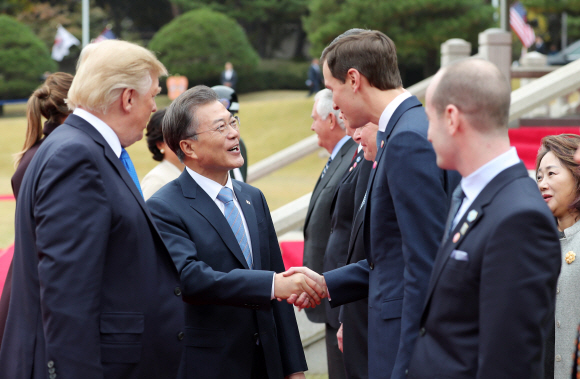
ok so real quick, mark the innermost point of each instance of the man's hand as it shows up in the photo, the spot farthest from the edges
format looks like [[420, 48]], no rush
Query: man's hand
[[339, 338], [298, 375], [301, 285], [302, 301]]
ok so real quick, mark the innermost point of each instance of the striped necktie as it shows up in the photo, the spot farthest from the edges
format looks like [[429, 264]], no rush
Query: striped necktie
[[126, 160], [234, 218], [326, 167]]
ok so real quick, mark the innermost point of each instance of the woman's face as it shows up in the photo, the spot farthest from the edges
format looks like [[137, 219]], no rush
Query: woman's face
[[557, 185]]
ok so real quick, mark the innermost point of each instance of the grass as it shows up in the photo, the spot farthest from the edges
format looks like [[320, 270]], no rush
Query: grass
[[270, 121]]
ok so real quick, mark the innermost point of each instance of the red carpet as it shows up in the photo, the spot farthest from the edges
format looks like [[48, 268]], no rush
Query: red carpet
[[527, 141], [5, 259], [292, 252]]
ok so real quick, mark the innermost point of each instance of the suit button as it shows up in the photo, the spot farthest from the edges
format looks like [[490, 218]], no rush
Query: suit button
[[558, 324], [50, 364], [52, 376], [331, 230], [558, 358], [422, 332], [180, 336], [372, 266], [255, 337], [177, 291], [558, 290], [51, 370], [407, 372]]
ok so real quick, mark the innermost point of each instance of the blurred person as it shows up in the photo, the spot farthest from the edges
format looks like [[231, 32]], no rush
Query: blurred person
[[99, 291], [404, 206], [558, 177], [330, 129], [229, 77], [221, 237], [490, 303], [47, 101], [169, 167], [315, 79]]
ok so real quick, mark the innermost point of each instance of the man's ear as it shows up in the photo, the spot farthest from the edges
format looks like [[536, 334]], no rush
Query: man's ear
[[452, 119], [331, 118], [186, 146], [128, 99], [353, 78]]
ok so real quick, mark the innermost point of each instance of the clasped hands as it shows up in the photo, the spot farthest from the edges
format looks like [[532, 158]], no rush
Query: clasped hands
[[300, 286]]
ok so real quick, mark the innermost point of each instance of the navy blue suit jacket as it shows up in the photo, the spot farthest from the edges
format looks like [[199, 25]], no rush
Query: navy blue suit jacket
[[488, 314], [93, 285], [227, 303], [405, 211]]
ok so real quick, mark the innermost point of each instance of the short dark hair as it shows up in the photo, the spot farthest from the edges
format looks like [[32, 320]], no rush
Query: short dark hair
[[478, 89], [371, 53], [180, 121], [563, 147], [155, 134]]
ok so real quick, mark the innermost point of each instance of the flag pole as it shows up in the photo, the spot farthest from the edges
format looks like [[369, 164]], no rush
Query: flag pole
[[504, 12], [85, 22]]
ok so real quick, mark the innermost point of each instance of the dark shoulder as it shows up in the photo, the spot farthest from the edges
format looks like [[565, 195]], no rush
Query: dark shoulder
[[521, 196]]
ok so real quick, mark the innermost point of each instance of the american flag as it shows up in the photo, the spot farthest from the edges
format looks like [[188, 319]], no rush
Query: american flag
[[519, 26], [105, 35]]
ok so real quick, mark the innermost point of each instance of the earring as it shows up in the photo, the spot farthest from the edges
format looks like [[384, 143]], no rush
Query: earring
[[162, 151]]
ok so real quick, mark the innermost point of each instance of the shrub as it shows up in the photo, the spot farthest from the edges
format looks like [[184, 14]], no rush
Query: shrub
[[198, 43], [274, 74], [23, 59]]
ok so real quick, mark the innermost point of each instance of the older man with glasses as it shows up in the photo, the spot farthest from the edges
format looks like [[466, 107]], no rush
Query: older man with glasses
[[220, 235]]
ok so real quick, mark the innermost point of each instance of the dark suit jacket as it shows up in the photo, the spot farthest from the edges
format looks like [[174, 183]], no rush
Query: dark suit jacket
[[405, 213], [233, 80], [227, 304], [489, 315], [315, 78], [93, 284], [317, 222]]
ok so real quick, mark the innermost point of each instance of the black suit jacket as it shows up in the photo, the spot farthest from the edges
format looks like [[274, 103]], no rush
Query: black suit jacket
[[405, 213], [487, 315], [93, 285], [317, 222], [233, 80], [228, 305]]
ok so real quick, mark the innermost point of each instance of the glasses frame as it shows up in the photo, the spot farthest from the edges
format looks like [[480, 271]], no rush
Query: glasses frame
[[228, 125]]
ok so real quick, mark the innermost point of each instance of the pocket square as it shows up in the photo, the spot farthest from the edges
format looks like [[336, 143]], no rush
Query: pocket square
[[459, 255]]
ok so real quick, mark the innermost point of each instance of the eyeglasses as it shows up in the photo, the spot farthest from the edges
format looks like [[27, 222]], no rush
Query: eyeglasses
[[222, 128]]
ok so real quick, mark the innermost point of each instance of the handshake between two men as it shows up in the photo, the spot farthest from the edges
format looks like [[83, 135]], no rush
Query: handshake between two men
[[300, 286]]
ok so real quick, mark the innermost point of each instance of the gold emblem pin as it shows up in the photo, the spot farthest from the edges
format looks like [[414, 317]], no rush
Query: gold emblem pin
[[570, 257], [382, 144], [464, 228]]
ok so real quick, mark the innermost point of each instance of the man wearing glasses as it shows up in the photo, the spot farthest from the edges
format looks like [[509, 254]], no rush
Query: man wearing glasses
[[220, 235]]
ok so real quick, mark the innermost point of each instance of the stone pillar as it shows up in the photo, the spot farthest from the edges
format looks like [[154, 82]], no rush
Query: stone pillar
[[454, 49], [495, 45], [532, 60]]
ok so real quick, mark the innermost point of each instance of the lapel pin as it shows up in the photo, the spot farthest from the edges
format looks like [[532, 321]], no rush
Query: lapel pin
[[456, 237], [570, 257], [472, 215], [382, 144], [375, 164], [354, 165], [357, 159], [464, 228], [350, 169], [248, 201]]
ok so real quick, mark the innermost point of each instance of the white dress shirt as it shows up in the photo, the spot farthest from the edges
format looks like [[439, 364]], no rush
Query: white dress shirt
[[391, 108], [473, 184], [108, 134], [212, 189], [338, 145]]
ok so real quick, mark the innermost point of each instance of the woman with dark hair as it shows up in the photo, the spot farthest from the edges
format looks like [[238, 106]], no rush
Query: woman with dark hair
[[558, 177], [47, 101], [169, 167]]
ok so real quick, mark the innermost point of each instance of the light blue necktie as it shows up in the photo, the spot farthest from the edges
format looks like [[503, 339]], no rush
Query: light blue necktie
[[234, 218], [130, 168], [456, 200]]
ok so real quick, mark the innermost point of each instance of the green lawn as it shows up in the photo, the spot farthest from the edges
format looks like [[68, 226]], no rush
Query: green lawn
[[270, 121]]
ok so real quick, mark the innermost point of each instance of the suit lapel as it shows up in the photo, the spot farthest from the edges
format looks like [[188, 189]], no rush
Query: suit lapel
[[356, 229], [251, 221], [200, 202]]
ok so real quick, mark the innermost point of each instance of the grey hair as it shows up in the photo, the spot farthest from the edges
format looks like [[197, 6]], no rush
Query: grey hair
[[180, 121], [324, 106]]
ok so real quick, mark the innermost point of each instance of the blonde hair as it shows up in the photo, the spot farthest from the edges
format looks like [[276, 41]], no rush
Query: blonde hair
[[47, 101], [106, 68]]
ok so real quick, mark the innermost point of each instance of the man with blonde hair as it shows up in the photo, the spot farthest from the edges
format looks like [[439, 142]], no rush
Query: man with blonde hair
[[95, 292]]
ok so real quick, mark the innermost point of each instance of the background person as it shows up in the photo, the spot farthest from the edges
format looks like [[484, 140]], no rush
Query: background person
[[558, 177], [169, 167], [229, 77], [315, 80], [48, 102]]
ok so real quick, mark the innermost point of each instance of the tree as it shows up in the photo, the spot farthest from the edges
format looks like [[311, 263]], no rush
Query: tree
[[418, 27], [23, 59], [198, 43], [266, 22]]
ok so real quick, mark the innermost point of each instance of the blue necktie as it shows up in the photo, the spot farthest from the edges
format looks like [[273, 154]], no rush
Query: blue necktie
[[326, 167], [234, 218], [456, 200], [130, 168]]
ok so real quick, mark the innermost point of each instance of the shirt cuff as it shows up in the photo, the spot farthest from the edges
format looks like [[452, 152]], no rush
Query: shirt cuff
[[272, 292]]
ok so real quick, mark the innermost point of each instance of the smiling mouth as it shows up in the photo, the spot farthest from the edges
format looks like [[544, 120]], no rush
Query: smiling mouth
[[547, 197], [235, 148]]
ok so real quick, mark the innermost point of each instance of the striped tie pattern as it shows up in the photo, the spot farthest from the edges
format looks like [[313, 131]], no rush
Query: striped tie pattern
[[234, 218], [326, 167]]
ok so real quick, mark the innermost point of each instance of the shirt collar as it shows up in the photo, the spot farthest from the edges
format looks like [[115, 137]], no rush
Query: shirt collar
[[108, 134], [212, 188], [473, 184], [337, 147], [359, 148], [391, 108]]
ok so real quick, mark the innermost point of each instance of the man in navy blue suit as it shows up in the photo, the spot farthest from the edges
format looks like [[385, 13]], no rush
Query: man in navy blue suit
[[405, 203], [490, 303], [221, 237], [95, 293]]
